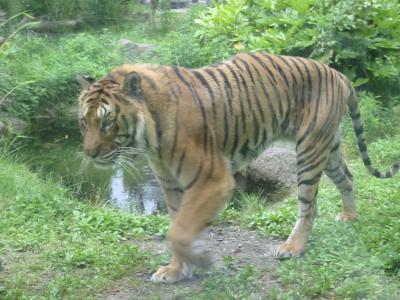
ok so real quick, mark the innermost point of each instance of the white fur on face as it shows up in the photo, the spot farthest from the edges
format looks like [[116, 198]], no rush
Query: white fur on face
[[140, 129], [102, 110]]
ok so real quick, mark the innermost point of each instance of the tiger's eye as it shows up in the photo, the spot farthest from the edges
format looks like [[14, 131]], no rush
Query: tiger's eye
[[108, 123]]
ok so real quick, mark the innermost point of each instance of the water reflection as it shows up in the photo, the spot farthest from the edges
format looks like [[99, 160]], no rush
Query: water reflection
[[133, 190], [145, 197]]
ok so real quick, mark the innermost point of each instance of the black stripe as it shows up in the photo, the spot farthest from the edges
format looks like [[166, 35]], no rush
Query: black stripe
[[359, 130], [244, 149], [125, 123], [204, 82], [367, 161], [228, 89], [243, 114], [175, 189], [117, 109], [334, 148], [333, 170], [338, 179], [195, 178], [280, 108], [284, 60], [259, 107], [280, 71], [294, 60], [174, 143], [172, 207], [150, 81], [311, 166], [198, 101], [311, 156], [264, 137], [377, 173], [264, 66], [244, 83], [226, 128], [347, 172], [311, 126], [362, 146], [256, 128], [309, 182], [180, 164], [267, 96], [305, 200], [235, 137]]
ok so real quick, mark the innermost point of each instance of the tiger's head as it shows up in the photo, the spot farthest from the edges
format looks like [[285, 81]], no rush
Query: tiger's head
[[112, 116]]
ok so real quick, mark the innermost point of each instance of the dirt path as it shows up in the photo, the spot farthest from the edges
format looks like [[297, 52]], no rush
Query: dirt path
[[242, 247]]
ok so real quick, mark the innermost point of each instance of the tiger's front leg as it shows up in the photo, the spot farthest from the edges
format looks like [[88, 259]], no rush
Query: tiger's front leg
[[201, 202], [177, 269]]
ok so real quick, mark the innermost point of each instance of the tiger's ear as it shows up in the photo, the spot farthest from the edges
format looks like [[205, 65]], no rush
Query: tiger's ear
[[132, 85], [85, 80]]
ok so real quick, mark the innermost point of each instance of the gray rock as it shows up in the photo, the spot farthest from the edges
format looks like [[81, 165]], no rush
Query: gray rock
[[6, 103], [132, 50], [274, 169], [16, 124]]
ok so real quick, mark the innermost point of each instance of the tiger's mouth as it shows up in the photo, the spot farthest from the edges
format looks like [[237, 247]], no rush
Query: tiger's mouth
[[106, 159], [115, 157]]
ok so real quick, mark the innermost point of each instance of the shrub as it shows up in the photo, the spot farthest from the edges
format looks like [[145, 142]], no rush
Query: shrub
[[358, 37], [41, 71]]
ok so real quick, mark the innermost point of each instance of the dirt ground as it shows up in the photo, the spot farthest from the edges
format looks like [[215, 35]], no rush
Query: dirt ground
[[245, 247]]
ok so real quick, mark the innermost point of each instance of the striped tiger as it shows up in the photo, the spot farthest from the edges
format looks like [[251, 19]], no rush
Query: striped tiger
[[200, 126]]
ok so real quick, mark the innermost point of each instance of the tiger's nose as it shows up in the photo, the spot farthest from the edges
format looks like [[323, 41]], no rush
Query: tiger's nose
[[93, 153]]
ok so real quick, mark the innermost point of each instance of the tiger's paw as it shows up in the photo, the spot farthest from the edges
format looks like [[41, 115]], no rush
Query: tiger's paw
[[346, 217], [172, 273], [288, 249]]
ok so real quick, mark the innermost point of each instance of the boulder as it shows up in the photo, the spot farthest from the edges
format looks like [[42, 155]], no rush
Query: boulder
[[132, 50], [16, 124], [274, 169]]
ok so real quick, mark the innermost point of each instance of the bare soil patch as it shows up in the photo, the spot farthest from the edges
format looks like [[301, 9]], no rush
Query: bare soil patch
[[243, 247]]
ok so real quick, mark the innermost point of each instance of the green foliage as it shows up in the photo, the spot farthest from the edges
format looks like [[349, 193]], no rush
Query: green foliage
[[181, 46], [240, 286], [94, 12], [358, 37], [42, 70], [82, 246], [358, 260]]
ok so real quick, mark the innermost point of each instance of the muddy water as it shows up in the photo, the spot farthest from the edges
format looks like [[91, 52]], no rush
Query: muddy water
[[132, 189]]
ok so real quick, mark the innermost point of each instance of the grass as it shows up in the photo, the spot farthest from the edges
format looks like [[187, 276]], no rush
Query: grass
[[359, 260], [54, 246]]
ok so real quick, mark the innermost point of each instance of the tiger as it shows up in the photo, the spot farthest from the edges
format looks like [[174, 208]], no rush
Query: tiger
[[198, 127]]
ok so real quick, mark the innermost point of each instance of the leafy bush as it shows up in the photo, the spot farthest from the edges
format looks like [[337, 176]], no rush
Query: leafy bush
[[181, 47], [48, 68], [358, 37]]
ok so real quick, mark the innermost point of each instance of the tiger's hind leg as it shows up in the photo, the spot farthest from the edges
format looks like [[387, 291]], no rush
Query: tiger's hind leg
[[311, 162], [340, 175]]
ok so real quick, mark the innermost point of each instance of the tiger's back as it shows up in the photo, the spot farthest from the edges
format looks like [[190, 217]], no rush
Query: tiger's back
[[199, 126]]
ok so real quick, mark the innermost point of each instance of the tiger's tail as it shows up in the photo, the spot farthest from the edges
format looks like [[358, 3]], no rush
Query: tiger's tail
[[354, 108]]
